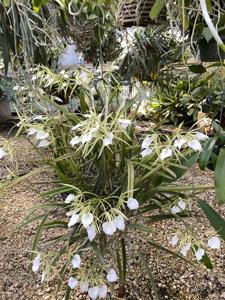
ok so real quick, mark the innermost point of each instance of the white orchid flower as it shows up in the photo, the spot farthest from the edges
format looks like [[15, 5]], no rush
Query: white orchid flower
[[167, 152], [119, 222], [146, 152], [84, 286], [146, 142], [93, 292], [43, 144], [76, 261], [75, 140], [175, 210], [42, 135], [2, 153], [102, 291], [108, 140], [43, 275], [182, 204], [174, 240], [199, 254], [184, 250], [109, 227], [36, 263], [87, 137], [91, 232], [132, 203], [72, 283], [195, 145], [73, 220], [201, 136], [76, 127], [179, 143], [32, 131], [38, 118], [214, 242], [125, 123], [87, 219], [112, 276], [70, 198]]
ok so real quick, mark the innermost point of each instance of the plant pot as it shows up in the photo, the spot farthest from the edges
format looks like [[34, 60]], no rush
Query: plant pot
[[209, 51], [136, 13], [5, 111]]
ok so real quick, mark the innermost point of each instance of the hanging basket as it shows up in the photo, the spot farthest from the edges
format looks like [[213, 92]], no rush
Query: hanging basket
[[136, 13], [209, 51]]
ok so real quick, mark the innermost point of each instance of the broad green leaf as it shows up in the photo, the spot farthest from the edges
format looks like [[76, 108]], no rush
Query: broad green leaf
[[220, 176], [197, 68], [140, 227], [217, 222], [206, 153], [156, 9], [6, 2]]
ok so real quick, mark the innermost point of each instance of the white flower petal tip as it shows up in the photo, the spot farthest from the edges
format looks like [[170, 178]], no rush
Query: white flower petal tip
[[43, 144], [76, 261], [42, 135], [36, 263], [125, 123], [91, 232], [87, 219], [43, 275], [214, 242], [84, 286], [166, 153], [112, 276], [179, 143], [93, 292], [175, 210], [195, 145], [146, 143], [184, 250], [146, 152], [201, 136], [132, 204], [76, 140], [174, 240], [87, 137], [119, 222], [73, 220], [36, 118], [199, 254], [72, 283], [2, 153], [70, 198], [32, 131], [102, 291], [76, 127], [181, 204], [109, 228], [108, 140]]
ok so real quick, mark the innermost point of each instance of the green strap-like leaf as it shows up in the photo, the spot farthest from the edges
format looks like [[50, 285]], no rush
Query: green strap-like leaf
[[206, 153], [156, 9], [220, 177]]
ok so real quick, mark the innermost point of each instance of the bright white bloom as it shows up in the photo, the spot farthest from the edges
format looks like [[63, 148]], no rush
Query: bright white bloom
[[42, 135], [214, 242], [199, 254], [76, 127], [102, 291], [200, 136], [119, 222], [84, 286], [73, 220], [146, 142], [184, 250], [36, 263], [72, 283], [167, 152], [43, 277], [179, 143], [37, 118], [76, 140], [108, 140], [91, 232], [70, 198], [146, 152], [87, 137], [32, 131], [34, 77], [174, 240], [175, 210], [93, 130], [87, 219], [16, 87], [76, 261], [93, 292], [132, 203], [112, 276], [43, 144], [181, 204], [2, 153], [124, 123], [195, 145], [109, 228]]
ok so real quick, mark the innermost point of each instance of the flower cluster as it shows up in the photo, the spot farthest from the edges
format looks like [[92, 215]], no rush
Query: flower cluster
[[41, 136]]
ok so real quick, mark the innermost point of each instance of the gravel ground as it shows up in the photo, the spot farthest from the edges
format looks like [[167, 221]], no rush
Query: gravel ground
[[174, 278]]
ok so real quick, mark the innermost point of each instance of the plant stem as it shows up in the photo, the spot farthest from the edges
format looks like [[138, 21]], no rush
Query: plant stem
[[177, 188]]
